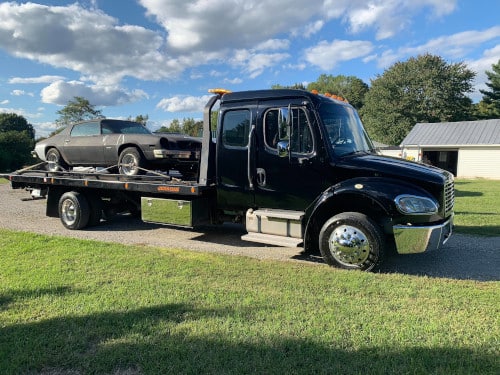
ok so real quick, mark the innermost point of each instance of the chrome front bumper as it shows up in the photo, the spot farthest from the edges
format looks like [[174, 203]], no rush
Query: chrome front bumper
[[418, 239], [177, 154]]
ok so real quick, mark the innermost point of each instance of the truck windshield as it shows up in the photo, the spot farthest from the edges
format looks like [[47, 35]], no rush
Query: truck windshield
[[345, 131]]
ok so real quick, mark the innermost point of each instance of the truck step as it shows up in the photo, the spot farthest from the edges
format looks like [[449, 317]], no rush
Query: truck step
[[279, 214], [271, 239]]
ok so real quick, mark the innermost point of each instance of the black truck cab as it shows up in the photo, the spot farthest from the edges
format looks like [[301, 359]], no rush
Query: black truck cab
[[300, 168]]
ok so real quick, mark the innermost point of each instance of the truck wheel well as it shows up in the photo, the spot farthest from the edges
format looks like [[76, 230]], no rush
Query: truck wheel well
[[336, 205]]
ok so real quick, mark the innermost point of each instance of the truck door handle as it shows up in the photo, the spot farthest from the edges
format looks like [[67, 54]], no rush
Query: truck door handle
[[249, 159], [261, 177]]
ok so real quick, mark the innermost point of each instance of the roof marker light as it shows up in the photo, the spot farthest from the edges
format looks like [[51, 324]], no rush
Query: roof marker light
[[219, 91]]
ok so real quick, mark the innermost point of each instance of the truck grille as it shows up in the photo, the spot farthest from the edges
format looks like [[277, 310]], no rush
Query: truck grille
[[449, 196]]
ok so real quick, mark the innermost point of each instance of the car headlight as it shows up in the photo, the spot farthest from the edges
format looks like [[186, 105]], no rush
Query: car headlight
[[415, 205]]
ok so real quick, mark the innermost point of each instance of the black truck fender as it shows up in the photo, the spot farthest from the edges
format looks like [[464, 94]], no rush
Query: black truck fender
[[372, 196]]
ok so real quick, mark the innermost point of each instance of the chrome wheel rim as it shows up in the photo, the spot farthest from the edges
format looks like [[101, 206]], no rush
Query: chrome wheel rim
[[129, 164], [68, 211], [349, 245], [53, 162]]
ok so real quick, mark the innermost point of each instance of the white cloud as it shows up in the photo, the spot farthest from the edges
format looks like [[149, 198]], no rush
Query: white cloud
[[61, 92], [389, 17], [327, 55], [273, 45], [198, 32], [21, 93], [31, 80], [4, 102], [234, 81], [86, 41], [183, 103], [43, 129], [455, 46], [221, 24]]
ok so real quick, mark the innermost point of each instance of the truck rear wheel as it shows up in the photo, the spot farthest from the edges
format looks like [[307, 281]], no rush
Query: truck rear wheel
[[351, 240], [74, 210]]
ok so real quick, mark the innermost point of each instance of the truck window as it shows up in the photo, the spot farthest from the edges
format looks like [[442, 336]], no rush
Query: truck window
[[235, 128], [301, 137]]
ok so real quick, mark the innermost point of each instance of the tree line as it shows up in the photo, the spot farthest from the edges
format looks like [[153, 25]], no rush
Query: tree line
[[422, 89]]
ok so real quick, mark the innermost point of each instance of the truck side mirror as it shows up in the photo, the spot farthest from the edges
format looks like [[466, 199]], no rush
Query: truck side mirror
[[283, 149]]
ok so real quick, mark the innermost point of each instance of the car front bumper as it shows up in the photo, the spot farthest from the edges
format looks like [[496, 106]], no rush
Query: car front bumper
[[418, 239], [174, 154]]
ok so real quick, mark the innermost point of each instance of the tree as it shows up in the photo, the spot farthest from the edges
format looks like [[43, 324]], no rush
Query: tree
[[189, 126], [489, 106], [174, 127], [192, 127], [421, 89], [17, 139], [78, 109], [141, 119], [349, 87], [14, 122], [296, 86]]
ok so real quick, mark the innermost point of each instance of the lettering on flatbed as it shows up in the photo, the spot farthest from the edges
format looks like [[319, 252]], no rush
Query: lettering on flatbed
[[169, 189]]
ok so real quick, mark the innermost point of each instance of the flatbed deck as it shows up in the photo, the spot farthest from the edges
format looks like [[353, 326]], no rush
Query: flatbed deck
[[149, 183]]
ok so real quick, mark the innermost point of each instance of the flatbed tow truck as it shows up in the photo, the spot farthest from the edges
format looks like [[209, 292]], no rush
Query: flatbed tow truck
[[296, 168]]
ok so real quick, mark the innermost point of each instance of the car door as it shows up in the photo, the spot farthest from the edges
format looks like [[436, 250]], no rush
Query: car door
[[234, 177], [292, 180], [83, 145]]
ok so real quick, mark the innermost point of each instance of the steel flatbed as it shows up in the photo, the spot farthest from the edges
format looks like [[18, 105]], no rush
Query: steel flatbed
[[157, 183]]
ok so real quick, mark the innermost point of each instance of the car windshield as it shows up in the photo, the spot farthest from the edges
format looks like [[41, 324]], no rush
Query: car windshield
[[123, 127], [345, 131]]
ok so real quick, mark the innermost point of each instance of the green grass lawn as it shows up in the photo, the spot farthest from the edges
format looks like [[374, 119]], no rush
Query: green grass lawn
[[81, 307], [477, 207]]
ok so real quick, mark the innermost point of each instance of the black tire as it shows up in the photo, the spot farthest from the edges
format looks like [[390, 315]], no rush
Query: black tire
[[96, 206], [130, 162], [351, 240], [74, 210], [54, 161]]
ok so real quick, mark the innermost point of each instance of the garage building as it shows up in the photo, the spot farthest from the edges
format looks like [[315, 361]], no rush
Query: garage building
[[468, 149]]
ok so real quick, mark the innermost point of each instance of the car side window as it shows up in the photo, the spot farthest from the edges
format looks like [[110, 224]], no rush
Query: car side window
[[86, 129], [235, 128]]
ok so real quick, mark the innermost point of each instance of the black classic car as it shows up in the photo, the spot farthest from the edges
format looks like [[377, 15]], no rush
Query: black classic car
[[128, 145]]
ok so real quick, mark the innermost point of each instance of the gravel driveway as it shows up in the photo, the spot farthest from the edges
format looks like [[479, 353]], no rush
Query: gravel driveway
[[463, 257]]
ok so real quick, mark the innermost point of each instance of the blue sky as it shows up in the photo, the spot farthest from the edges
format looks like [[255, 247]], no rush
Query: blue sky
[[159, 58]]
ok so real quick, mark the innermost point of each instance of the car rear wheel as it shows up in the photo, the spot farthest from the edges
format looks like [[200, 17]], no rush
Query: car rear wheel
[[131, 162], [54, 161]]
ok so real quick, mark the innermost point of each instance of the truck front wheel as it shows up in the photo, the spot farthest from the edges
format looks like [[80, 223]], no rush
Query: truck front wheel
[[351, 240], [74, 210]]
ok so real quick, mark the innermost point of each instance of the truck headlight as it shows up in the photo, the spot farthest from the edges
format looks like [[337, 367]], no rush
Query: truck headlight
[[415, 205]]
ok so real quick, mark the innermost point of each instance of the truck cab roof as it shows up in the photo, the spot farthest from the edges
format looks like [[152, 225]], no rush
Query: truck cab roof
[[277, 94]]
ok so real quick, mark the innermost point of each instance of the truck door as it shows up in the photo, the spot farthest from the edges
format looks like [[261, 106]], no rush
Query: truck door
[[288, 180], [235, 160]]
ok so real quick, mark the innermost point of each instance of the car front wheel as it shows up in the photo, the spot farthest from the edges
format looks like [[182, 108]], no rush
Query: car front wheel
[[131, 162]]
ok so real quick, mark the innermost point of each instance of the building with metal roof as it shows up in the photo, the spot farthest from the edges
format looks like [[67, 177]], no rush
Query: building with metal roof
[[468, 149]]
